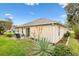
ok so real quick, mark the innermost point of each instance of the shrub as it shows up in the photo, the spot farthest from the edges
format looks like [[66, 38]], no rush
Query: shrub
[[9, 33], [76, 30], [72, 34], [2, 29], [67, 34], [61, 50], [43, 48]]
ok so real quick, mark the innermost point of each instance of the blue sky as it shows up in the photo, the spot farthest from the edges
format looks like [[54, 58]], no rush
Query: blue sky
[[21, 13]]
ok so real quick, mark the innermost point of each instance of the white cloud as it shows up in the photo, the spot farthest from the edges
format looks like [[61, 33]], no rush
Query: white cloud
[[31, 4], [8, 15], [64, 15], [63, 4]]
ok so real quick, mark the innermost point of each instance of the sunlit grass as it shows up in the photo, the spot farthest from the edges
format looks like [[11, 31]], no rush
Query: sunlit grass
[[11, 47], [74, 45]]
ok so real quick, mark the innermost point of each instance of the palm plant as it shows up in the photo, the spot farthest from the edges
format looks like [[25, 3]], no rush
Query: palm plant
[[43, 48]]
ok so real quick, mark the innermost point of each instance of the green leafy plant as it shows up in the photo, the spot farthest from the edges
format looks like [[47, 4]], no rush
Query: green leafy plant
[[61, 50], [2, 29], [9, 33], [67, 34], [43, 48], [76, 31]]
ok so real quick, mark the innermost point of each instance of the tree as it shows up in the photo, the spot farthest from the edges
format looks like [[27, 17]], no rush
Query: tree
[[72, 10], [9, 23], [2, 29], [10, 20]]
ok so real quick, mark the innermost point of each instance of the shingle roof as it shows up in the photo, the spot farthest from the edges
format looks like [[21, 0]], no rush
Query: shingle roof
[[40, 21]]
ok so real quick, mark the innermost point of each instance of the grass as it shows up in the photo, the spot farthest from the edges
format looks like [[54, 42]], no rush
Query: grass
[[24, 47], [10, 47], [74, 45]]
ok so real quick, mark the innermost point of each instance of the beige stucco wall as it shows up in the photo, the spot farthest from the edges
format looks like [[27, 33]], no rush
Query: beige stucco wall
[[41, 32], [56, 36], [50, 32], [19, 30]]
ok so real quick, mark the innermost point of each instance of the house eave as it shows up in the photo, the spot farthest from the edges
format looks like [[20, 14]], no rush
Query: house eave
[[34, 25]]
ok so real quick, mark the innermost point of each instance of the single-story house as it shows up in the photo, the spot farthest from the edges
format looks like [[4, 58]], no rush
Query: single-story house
[[43, 28]]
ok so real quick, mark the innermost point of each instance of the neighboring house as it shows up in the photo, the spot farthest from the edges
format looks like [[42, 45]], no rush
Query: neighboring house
[[43, 28]]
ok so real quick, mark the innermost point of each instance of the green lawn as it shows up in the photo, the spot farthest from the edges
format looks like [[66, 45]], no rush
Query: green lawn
[[11, 47], [74, 45], [24, 47]]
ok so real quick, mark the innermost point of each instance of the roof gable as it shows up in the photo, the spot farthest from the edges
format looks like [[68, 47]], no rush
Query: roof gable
[[40, 21]]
